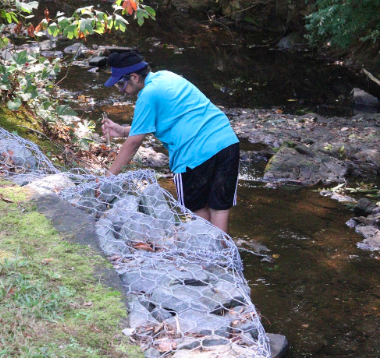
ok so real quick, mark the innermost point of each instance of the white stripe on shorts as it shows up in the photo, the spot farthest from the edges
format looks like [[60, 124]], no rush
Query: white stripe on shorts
[[179, 188], [234, 203]]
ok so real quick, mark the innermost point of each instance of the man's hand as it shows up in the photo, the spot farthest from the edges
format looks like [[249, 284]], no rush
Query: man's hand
[[114, 129]]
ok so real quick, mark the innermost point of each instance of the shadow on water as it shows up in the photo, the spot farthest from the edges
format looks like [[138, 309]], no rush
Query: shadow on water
[[231, 68], [318, 289]]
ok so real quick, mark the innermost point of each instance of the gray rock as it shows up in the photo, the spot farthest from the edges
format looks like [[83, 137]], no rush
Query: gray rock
[[351, 223], [90, 205], [186, 274], [152, 353], [367, 231], [108, 192], [199, 235], [75, 48], [218, 351], [308, 167], [279, 345], [343, 199], [368, 156], [371, 243], [24, 178], [213, 298], [141, 227], [138, 314], [52, 54], [47, 45], [242, 322], [371, 220], [107, 241], [160, 314], [142, 280], [51, 184], [189, 343], [151, 158], [17, 155], [364, 207], [99, 61], [153, 203], [363, 98], [197, 322], [292, 41]]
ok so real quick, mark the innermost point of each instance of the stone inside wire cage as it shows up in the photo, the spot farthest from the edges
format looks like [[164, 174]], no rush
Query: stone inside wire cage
[[186, 293]]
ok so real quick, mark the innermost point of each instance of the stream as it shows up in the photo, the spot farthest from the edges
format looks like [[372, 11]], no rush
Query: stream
[[314, 286]]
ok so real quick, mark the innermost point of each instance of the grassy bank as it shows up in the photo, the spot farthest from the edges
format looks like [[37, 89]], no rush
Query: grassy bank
[[50, 303]]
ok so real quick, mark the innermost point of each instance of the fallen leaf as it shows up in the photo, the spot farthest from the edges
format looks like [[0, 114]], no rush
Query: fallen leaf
[[276, 256], [95, 329], [11, 291], [142, 245], [47, 260], [167, 346], [5, 199]]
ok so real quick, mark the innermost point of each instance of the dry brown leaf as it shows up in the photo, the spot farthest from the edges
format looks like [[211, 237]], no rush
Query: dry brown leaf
[[167, 346], [5, 199], [47, 260], [142, 245]]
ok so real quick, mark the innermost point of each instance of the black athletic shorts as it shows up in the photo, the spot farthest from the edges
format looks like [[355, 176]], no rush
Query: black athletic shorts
[[213, 183]]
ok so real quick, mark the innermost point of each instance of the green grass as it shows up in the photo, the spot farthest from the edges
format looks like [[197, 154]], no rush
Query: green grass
[[51, 305]]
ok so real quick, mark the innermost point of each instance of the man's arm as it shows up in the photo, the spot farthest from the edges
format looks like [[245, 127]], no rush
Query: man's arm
[[127, 151]]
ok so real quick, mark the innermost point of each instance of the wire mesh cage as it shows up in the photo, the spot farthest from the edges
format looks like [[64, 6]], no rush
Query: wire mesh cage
[[183, 277]]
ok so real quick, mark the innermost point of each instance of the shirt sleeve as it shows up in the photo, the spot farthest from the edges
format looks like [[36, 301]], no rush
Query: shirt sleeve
[[144, 118]]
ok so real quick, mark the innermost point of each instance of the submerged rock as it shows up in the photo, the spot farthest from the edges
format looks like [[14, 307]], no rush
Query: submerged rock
[[363, 98]]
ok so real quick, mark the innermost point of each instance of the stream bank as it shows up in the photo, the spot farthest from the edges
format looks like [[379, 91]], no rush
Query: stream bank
[[314, 270]]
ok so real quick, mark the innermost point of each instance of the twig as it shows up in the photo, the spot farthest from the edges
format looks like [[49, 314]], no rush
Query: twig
[[31, 129], [371, 77]]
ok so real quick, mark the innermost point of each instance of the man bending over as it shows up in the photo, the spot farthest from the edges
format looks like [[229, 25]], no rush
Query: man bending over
[[203, 149]]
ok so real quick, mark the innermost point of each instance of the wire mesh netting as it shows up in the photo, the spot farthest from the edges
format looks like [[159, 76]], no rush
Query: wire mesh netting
[[186, 293]]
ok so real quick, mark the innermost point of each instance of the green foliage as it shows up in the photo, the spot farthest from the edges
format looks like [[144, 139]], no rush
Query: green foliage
[[343, 22], [27, 79]]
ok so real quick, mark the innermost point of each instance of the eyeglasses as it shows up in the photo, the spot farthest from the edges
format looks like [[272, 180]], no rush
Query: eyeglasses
[[122, 84]]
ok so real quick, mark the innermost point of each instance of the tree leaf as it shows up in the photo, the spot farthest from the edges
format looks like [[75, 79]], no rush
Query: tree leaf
[[14, 105]]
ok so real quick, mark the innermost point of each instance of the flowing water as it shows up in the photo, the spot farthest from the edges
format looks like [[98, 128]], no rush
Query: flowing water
[[314, 286]]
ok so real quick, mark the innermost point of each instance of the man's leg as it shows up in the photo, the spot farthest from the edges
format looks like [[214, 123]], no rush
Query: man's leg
[[219, 218], [204, 213]]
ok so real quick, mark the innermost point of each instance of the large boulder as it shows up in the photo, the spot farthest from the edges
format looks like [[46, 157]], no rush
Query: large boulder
[[367, 158], [304, 165], [362, 98]]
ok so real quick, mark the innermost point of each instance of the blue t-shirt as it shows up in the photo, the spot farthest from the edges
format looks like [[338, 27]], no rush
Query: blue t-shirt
[[182, 118]]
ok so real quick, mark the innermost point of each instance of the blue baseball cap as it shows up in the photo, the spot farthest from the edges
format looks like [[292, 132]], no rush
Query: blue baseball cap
[[118, 72]]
